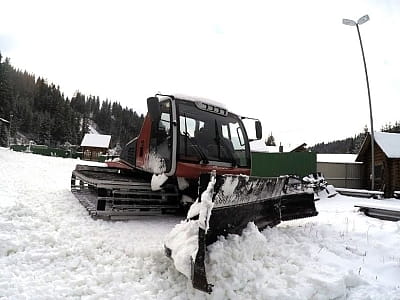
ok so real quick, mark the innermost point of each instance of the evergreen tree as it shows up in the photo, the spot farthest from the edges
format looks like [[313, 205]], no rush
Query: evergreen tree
[[3, 135], [6, 99], [391, 128], [270, 140], [42, 113], [45, 130]]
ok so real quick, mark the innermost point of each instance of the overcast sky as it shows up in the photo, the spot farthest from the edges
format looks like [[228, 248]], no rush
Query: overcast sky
[[292, 64]]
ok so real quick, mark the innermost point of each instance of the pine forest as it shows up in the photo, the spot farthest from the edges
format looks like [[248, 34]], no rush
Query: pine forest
[[39, 111]]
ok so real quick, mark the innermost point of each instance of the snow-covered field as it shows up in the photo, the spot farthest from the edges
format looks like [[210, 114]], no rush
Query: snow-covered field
[[51, 249]]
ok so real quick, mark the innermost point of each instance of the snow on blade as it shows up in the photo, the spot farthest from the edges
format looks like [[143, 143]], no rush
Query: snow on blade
[[183, 242], [194, 210], [183, 239], [229, 185], [206, 205]]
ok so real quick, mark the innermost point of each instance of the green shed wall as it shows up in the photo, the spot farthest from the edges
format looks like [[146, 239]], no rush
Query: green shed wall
[[42, 150], [276, 164]]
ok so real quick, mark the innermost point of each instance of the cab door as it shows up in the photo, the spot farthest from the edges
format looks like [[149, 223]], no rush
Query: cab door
[[161, 140]]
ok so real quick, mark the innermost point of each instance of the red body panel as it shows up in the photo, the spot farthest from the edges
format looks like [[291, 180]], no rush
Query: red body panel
[[193, 171]]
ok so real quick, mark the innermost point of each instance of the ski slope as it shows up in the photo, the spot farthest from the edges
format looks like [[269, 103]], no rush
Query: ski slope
[[51, 249]]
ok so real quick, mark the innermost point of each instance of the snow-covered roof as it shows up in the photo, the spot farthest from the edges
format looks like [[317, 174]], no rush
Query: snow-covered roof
[[337, 158], [96, 140], [389, 143], [198, 99], [260, 146]]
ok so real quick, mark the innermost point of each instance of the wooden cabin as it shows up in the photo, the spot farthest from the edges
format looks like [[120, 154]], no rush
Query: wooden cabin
[[93, 145], [386, 162]]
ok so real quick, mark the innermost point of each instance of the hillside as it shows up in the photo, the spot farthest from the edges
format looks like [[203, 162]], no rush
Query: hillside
[[351, 145], [40, 111]]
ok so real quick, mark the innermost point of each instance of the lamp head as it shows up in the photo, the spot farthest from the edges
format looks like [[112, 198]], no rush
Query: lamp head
[[363, 19], [349, 22]]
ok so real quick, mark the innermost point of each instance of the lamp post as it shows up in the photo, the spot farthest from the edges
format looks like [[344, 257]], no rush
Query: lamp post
[[361, 21]]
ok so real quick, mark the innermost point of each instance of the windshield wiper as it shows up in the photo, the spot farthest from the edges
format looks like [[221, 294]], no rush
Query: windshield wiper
[[195, 146]]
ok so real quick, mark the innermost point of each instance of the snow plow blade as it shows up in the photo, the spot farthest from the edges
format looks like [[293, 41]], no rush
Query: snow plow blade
[[236, 201]]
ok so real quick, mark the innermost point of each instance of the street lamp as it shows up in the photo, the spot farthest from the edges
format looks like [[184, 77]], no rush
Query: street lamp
[[361, 21]]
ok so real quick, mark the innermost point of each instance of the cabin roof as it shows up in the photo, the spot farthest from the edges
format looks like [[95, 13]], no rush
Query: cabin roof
[[96, 140]]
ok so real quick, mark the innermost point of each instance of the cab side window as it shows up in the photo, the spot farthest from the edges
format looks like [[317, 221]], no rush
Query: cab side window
[[161, 135]]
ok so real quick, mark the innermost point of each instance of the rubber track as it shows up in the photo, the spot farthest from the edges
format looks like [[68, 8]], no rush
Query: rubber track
[[108, 195]]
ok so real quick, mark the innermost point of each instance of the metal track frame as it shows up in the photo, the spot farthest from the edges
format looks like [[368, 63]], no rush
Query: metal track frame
[[110, 195]]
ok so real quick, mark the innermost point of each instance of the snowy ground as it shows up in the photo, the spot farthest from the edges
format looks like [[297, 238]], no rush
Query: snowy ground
[[51, 249]]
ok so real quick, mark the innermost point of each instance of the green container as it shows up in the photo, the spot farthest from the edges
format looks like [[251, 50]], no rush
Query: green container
[[286, 163], [50, 151], [42, 150], [101, 158], [77, 155], [18, 148]]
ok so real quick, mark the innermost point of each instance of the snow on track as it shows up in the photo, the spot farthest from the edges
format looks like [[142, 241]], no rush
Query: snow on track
[[51, 249]]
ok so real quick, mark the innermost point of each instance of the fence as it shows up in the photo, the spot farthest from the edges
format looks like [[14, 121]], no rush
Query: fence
[[341, 175]]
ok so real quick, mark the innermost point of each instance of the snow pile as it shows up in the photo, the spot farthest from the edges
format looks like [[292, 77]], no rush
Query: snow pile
[[326, 192], [183, 242], [157, 180], [338, 255], [51, 249], [183, 239], [206, 205]]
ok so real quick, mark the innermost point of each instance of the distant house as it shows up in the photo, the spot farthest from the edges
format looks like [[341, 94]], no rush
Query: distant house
[[386, 162], [94, 145]]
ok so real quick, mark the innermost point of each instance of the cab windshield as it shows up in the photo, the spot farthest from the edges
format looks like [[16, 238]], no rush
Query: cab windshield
[[211, 137]]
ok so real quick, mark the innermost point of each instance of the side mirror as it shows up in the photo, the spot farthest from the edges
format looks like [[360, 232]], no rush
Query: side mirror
[[258, 130], [153, 108]]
